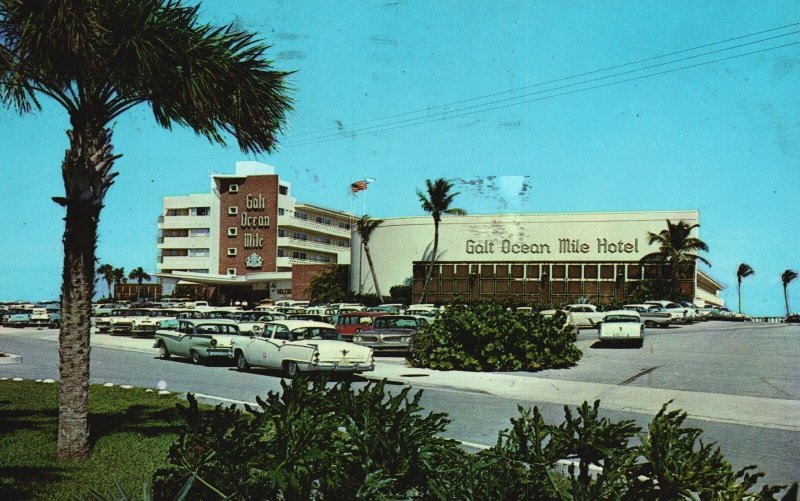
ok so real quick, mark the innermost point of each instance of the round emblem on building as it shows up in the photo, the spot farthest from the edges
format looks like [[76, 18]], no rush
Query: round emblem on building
[[254, 261]]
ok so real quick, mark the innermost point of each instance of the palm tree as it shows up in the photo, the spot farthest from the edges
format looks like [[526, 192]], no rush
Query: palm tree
[[107, 272], [139, 275], [677, 248], [365, 226], [98, 59], [787, 277], [119, 277], [437, 200], [745, 270]]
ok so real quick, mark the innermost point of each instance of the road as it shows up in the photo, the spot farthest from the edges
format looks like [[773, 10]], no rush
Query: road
[[754, 360]]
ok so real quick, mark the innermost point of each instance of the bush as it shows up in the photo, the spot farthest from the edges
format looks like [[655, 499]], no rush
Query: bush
[[490, 337], [315, 441]]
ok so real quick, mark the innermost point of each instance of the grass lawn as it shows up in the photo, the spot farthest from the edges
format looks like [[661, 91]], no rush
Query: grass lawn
[[131, 431]]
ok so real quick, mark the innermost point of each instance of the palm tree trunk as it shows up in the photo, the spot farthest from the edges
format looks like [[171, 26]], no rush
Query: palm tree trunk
[[433, 260], [86, 178], [372, 270], [786, 298], [740, 295]]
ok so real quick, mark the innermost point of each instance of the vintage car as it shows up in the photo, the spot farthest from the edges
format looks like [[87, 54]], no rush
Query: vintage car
[[252, 322], [353, 322], [579, 316], [652, 315], [391, 332], [297, 346], [123, 323], [621, 326], [105, 310], [680, 314], [39, 317], [169, 321], [18, 317], [199, 340], [148, 323]]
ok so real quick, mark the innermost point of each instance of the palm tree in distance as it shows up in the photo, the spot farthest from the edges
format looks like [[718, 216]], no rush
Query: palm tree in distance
[[745, 270], [364, 227], [98, 59], [119, 277], [677, 248], [139, 275], [436, 200], [787, 277], [107, 272]]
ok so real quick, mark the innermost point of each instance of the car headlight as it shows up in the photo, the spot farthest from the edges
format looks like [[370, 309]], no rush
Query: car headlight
[[357, 339], [213, 342]]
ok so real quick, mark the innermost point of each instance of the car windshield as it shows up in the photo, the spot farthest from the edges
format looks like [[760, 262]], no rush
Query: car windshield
[[324, 333], [620, 318], [216, 329], [395, 323]]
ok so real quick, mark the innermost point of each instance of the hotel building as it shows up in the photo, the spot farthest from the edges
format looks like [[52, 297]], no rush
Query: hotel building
[[248, 239], [527, 258]]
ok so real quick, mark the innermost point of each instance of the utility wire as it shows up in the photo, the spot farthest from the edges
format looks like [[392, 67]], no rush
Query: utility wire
[[365, 129], [539, 84], [424, 120]]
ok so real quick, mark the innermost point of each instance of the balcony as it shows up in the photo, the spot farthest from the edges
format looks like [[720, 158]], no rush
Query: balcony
[[307, 224], [184, 243], [311, 244], [184, 222]]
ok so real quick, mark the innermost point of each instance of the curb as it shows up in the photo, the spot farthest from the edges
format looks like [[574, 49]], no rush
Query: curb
[[10, 358]]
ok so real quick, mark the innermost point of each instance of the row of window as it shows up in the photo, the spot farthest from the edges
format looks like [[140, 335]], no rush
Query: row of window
[[321, 258], [186, 232], [191, 211], [185, 252], [234, 188]]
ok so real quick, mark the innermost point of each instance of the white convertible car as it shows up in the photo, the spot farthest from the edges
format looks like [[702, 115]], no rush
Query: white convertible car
[[296, 346], [200, 340], [622, 326]]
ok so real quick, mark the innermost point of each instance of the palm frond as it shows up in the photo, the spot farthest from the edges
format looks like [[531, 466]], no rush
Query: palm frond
[[788, 277]]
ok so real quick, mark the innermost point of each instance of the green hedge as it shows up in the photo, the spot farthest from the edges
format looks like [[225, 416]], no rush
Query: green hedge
[[491, 337]]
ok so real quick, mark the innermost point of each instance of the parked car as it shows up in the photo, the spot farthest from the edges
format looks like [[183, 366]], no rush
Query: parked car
[[621, 326], [391, 332], [680, 314], [18, 318], [297, 346], [579, 316], [325, 319], [170, 319], [199, 340], [252, 322], [652, 315], [353, 322], [39, 317]]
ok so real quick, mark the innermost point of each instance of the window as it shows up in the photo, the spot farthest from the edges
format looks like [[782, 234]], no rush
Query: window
[[233, 210], [198, 252], [298, 255], [200, 211], [299, 236], [283, 190], [322, 240], [281, 233], [231, 271], [281, 211], [344, 243], [233, 188], [345, 226], [175, 252], [281, 253], [323, 220], [300, 215], [233, 231], [177, 212], [199, 232], [231, 251], [322, 259]]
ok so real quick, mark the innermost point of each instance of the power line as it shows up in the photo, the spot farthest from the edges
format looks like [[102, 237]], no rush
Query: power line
[[539, 84], [424, 120]]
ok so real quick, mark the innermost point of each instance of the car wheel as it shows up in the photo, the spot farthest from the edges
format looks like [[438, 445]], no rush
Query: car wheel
[[241, 362], [163, 351], [292, 369], [196, 358], [649, 323]]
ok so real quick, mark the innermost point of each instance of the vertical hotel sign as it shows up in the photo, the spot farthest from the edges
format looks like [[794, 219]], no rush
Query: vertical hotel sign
[[253, 220]]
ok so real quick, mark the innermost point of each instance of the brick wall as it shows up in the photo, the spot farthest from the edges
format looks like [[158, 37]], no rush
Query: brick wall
[[302, 274]]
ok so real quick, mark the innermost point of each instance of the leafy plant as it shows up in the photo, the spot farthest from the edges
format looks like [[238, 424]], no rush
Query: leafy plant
[[492, 337]]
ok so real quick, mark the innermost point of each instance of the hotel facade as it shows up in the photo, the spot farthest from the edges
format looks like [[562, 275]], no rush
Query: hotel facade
[[247, 238], [527, 258]]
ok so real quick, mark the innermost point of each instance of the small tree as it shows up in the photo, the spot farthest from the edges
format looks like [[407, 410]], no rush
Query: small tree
[[787, 277], [436, 200], [364, 227], [744, 271], [139, 275], [107, 272], [326, 287], [677, 248]]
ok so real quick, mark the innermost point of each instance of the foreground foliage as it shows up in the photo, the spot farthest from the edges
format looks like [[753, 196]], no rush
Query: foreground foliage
[[490, 337], [317, 441]]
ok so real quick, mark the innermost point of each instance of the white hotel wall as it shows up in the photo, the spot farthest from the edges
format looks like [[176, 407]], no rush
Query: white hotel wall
[[398, 242]]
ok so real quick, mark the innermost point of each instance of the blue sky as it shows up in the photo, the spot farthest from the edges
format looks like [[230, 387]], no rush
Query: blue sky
[[721, 137]]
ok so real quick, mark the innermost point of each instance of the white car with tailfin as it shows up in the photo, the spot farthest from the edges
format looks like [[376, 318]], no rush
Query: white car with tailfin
[[621, 326], [296, 346]]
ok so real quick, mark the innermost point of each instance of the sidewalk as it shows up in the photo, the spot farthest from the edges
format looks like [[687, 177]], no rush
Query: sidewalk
[[737, 409]]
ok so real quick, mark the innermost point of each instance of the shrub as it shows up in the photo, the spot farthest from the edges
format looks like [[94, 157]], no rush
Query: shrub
[[490, 337]]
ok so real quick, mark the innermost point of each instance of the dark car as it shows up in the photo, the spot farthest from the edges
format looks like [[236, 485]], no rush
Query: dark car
[[391, 332]]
